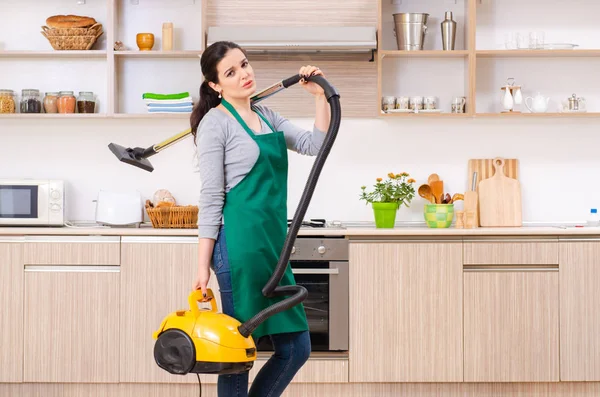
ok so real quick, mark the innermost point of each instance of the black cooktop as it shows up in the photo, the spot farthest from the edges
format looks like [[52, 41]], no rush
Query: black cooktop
[[311, 223]]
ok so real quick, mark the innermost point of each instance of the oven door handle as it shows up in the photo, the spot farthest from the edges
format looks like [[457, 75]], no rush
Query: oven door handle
[[316, 271]]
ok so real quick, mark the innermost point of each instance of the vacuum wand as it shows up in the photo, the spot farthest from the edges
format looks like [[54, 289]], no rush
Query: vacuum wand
[[139, 156]]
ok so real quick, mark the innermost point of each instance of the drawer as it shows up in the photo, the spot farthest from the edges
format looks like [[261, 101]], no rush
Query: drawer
[[504, 251], [72, 250]]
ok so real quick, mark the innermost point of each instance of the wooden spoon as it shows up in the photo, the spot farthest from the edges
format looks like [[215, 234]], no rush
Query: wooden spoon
[[425, 192], [456, 197], [437, 188], [433, 178]]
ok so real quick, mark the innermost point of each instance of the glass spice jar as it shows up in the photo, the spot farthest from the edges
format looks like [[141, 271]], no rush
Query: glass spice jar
[[66, 102], [7, 101], [86, 102], [51, 102], [30, 101]]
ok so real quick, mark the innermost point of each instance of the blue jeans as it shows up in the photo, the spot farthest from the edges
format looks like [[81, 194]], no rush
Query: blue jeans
[[292, 350]]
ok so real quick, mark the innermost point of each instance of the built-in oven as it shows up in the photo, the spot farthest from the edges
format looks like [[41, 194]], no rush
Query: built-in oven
[[320, 264]]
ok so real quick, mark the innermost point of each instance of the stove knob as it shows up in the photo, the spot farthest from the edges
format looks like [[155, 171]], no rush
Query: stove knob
[[321, 250], [293, 250]]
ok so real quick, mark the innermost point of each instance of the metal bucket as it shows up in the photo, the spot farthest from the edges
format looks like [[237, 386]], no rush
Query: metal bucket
[[410, 29]]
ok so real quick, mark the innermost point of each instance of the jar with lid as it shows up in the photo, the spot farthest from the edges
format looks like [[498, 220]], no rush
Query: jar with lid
[[7, 101], [51, 102], [66, 102], [30, 101], [86, 102]]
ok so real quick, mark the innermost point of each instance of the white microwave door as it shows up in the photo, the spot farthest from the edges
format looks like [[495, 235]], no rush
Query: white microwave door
[[21, 204]]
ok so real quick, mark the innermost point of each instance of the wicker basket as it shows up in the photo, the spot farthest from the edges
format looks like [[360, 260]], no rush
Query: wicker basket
[[89, 31], [177, 217], [73, 42]]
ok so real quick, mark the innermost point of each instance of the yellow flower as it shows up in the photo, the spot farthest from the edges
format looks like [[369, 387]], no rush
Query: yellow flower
[[411, 180], [405, 174], [379, 179], [391, 175]]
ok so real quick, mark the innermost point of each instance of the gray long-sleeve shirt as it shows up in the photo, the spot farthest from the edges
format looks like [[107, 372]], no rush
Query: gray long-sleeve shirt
[[226, 154]]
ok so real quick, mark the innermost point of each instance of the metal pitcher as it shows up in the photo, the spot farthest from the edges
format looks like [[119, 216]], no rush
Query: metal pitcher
[[410, 30]]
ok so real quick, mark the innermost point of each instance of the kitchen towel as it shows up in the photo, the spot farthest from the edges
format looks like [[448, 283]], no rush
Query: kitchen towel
[[170, 105], [183, 109], [185, 101], [152, 95]]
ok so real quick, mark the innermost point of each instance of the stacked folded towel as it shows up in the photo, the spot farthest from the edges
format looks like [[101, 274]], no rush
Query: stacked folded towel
[[168, 103]]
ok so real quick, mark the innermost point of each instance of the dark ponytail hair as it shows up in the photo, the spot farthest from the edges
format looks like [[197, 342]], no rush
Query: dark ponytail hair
[[209, 98]]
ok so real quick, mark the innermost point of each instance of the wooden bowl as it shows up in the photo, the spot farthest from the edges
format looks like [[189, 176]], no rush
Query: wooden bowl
[[145, 41]]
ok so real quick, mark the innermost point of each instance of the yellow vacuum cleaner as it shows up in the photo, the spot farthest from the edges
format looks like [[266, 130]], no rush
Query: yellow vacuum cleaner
[[201, 340]]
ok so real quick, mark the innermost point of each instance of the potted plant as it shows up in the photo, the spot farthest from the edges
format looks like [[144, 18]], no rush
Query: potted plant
[[388, 196]]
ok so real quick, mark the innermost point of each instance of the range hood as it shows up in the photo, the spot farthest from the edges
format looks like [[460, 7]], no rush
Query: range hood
[[297, 39]]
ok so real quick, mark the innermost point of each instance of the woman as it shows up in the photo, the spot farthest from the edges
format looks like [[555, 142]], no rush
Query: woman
[[242, 153]]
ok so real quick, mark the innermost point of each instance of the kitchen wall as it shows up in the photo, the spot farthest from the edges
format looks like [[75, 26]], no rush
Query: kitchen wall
[[559, 161]]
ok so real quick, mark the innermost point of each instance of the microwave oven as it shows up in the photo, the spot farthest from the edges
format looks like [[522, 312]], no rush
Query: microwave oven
[[32, 202]]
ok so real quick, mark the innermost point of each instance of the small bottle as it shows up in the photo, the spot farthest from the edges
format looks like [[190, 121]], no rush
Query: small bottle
[[167, 36], [593, 220], [448, 32]]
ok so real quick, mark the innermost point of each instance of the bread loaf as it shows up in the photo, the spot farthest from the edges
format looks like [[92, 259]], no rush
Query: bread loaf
[[163, 195], [69, 21]]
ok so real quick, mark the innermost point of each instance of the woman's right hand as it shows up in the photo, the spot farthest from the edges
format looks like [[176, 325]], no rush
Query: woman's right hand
[[201, 281]]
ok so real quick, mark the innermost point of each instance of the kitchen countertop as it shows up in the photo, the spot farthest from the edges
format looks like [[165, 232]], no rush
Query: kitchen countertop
[[351, 231]]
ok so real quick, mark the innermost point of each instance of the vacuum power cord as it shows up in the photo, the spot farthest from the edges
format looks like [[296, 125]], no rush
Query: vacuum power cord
[[298, 293]]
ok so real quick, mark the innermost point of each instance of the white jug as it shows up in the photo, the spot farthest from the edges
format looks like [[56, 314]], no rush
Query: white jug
[[539, 103]]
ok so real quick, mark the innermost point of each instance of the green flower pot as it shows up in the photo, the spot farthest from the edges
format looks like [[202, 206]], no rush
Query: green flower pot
[[439, 215], [385, 215]]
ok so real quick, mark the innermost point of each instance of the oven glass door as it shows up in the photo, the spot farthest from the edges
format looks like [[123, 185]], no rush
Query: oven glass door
[[19, 201], [314, 276]]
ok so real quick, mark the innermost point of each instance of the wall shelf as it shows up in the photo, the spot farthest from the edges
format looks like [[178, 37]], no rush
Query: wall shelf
[[424, 54], [481, 63], [119, 78], [159, 54], [537, 53], [541, 115], [53, 54], [54, 116], [476, 69]]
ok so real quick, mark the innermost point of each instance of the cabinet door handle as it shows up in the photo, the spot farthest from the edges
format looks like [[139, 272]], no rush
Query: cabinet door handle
[[159, 239], [72, 239], [500, 268], [72, 269]]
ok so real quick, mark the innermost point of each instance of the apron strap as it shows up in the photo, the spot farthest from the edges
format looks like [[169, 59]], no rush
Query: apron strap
[[264, 119], [240, 120], [237, 116]]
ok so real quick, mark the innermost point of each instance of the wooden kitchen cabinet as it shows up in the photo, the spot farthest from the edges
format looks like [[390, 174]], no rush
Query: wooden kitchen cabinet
[[71, 324], [11, 307], [406, 311], [511, 325], [579, 310], [156, 278], [510, 251]]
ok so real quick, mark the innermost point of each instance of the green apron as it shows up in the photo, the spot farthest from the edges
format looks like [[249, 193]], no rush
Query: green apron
[[255, 219]]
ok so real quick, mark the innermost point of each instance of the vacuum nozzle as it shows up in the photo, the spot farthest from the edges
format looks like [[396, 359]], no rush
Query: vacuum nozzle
[[131, 156]]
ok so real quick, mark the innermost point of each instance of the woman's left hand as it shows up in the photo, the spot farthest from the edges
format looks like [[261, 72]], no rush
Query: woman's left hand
[[310, 86]]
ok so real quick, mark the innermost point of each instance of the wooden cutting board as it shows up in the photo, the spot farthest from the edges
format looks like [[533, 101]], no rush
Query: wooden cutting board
[[499, 199], [485, 169]]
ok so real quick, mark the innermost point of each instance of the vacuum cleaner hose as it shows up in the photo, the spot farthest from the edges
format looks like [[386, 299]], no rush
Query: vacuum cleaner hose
[[298, 293]]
